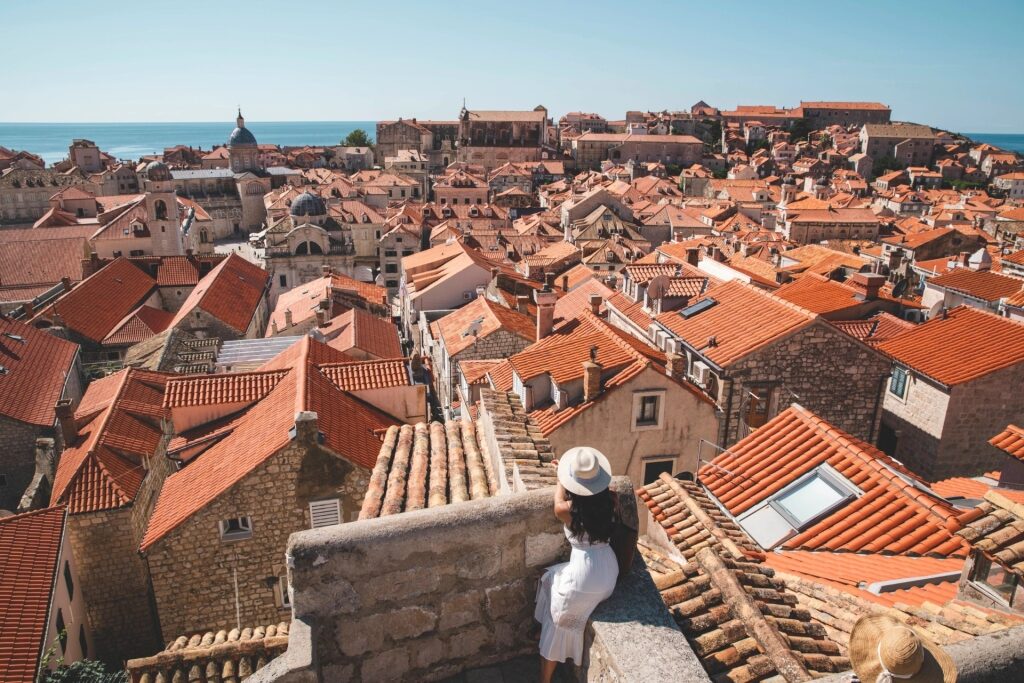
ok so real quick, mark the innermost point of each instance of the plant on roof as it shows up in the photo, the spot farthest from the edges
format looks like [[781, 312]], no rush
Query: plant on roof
[[357, 138]]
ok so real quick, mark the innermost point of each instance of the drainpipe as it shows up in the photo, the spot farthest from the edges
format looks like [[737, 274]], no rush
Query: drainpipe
[[728, 412]]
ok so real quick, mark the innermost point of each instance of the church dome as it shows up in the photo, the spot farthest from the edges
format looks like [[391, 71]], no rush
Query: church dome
[[241, 135], [308, 204], [158, 170]]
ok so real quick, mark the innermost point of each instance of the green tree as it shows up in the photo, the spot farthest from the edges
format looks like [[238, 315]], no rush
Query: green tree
[[886, 164], [85, 671], [357, 138]]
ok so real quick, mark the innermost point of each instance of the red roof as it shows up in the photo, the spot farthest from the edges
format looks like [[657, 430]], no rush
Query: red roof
[[231, 293], [742, 320], [118, 428], [371, 334], [103, 300], [876, 329], [368, 374], [235, 387], [819, 294], [1010, 440], [895, 514], [350, 427], [30, 546], [36, 368], [980, 284], [487, 318], [965, 344], [139, 325]]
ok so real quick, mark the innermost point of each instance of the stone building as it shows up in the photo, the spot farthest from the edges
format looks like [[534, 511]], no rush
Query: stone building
[[590, 149], [307, 306], [38, 370], [821, 115], [493, 138], [461, 187], [229, 302], [264, 454], [434, 140], [109, 476], [754, 354], [441, 278], [909, 144], [807, 226], [955, 381], [25, 193]]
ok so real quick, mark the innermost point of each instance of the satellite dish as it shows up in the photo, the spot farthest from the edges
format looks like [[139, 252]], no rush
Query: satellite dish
[[899, 289], [935, 310], [657, 288]]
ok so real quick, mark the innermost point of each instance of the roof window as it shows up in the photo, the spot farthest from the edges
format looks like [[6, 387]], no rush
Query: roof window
[[699, 307], [797, 506]]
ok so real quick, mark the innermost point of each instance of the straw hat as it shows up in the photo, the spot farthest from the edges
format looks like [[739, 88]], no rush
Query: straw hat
[[584, 471], [883, 649]]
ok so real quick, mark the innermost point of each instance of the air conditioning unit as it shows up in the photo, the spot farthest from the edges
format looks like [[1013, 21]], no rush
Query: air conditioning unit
[[701, 373]]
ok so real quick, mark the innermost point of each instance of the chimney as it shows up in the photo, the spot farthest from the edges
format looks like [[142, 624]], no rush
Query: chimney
[[595, 303], [325, 269], [273, 326], [591, 376], [321, 317], [522, 303], [287, 318], [66, 419], [675, 367], [565, 283], [66, 282], [693, 256], [545, 299], [867, 285], [965, 258], [29, 309]]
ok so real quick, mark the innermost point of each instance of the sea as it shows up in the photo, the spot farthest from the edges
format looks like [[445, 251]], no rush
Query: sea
[[133, 140]]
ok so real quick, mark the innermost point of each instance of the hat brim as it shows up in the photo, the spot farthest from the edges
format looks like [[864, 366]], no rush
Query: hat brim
[[937, 667], [585, 487]]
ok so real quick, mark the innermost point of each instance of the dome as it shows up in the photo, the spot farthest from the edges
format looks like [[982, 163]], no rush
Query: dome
[[241, 136], [308, 204], [158, 170]]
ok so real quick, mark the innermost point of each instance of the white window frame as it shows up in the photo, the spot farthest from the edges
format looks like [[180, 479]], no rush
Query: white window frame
[[282, 587], [832, 478], [244, 531], [638, 397], [906, 383], [324, 507]]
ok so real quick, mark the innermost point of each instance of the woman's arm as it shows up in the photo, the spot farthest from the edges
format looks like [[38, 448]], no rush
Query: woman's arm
[[563, 506]]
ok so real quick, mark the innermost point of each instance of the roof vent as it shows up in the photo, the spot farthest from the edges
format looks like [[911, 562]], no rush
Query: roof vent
[[15, 337]]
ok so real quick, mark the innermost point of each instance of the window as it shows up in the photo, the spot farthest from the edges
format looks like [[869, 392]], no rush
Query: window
[[391, 284], [390, 267], [654, 468], [898, 382], [235, 528], [286, 598], [62, 631], [647, 410], [997, 581], [83, 642], [283, 280], [324, 513], [68, 580]]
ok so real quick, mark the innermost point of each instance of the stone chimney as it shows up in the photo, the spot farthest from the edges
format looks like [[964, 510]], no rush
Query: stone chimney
[[545, 299], [325, 269], [66, 419], [675, 366], [287, 318], [591, 376], [693, 256], [273, 326], [306, 428], [867, 285], [595, 304], [522, 303], [565, 283], [66, 282], [321, 317]]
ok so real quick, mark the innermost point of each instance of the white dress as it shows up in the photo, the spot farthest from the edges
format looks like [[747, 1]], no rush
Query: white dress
[[568, 593]]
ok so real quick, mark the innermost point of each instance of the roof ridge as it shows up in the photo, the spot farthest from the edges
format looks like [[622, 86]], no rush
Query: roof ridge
[[32, 513]]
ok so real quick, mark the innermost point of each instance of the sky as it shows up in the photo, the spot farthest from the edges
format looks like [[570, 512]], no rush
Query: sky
[[955, 65]]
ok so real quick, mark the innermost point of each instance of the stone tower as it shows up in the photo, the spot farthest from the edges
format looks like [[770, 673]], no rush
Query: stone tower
[[163, 211]]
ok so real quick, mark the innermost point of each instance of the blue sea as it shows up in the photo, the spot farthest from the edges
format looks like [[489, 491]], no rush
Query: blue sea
[[133, 140], [1011, 142]]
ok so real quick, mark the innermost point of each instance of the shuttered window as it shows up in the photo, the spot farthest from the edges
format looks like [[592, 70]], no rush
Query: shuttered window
[[324, 513]]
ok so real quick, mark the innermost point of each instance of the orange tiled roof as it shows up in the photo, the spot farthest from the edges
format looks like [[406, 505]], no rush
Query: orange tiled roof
[[994, 529], [119, 426], [36, 365], [489, 317], [819, 294], [350, 428], [966, 344], [476, 370], [980, 284], [1010, 440], [368, 374], [231, 293], [30, 546], [895, 514], [357, 329], [101, 301], [742, 320], [877, 329], [139, 325], [235, 387]]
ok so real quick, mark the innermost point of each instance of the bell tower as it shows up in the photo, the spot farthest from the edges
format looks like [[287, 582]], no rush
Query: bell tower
[[163, 211]]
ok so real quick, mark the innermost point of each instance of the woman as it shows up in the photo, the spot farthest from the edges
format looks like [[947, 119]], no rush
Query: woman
[[570, 591]]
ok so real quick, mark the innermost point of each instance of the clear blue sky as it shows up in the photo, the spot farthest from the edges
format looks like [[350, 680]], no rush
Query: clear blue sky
[[958, 65]]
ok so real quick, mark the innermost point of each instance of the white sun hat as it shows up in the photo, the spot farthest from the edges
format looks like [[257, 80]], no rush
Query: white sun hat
[[584, 471]]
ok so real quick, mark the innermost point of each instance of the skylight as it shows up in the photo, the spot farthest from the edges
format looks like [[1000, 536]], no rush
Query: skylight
[[699, 307]]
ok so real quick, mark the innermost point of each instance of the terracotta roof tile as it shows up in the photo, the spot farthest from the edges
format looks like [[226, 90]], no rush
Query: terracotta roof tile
[[96, 306], [996, 531], [36, 367], [980, 284], [965, 344], [1010, 440], [30, 546], [819, 294], [235, 387], [876, 329], [119, 426], [488, 317], [231, 293], [896, 513], [368, 374], [742, 320], [365, 332], [139, 325], [475, 371]]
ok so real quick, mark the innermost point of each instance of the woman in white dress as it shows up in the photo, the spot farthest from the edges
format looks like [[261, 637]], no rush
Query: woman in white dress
[[570, 591]]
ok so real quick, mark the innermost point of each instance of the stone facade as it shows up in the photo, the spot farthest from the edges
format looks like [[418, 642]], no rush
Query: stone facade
[[498, 344], [17, 459], [941, 432], [819, 367], [113, 576], [194, 572]]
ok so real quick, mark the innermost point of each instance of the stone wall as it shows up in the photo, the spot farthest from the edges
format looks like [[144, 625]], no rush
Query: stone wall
[[17, 459], [194, 572], [822, 369], [427, 594], [917, 420]]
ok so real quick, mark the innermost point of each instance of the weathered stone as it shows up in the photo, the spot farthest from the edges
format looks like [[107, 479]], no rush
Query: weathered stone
[[542, 549], [460, 610], [427, 651], [480, 564], [389, 665], [506, 599], [409, 622], [468, 642], [342, 673], [356, 637], [402, 585]]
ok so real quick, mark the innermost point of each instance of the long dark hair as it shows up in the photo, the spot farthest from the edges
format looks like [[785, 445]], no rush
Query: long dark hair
[[594, 517]]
